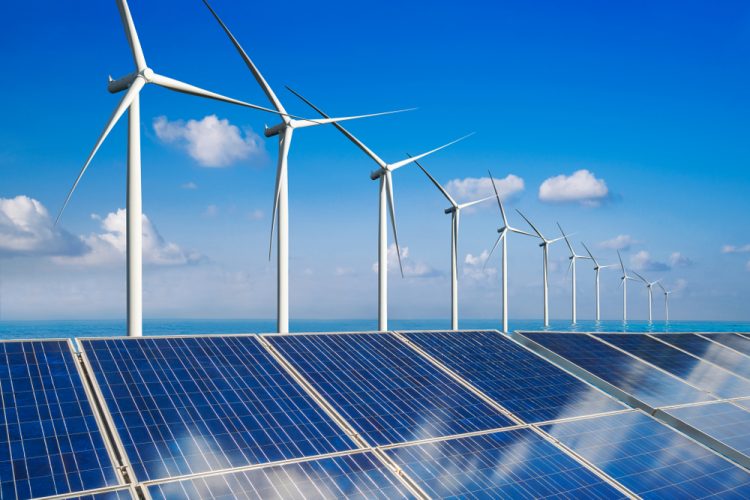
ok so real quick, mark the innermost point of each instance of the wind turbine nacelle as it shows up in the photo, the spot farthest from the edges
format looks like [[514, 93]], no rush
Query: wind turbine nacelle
[[450, 210], [124, 83], [275, 130], [377, 174]]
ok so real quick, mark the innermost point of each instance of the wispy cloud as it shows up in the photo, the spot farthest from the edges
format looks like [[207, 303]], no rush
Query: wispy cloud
[[642, 261], [735, 249], [412, 268], [189, 185], [256, 214], [580, 187], [475, 188], [619, 242], [677, 259], [474, 267]]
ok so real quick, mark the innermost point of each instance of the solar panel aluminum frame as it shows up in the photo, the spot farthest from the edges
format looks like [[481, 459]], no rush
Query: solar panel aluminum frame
[[130, 488]]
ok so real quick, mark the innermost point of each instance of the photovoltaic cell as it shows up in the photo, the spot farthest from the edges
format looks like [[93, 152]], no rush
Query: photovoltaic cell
[[651, 459], [384, 389], [733, 340], [695, 371], [507, 464], [122, 494], [524, 383], [185, 405], [359, 476], [625, 372], [723, 421], [711, 351], [50, 440]]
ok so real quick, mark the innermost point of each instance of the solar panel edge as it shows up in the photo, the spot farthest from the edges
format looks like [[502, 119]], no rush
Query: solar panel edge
[[130, 488]]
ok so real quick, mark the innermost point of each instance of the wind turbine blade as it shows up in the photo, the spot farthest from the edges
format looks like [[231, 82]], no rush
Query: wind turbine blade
[[475, 202], [549, 242], [641, 277], [277, 193], [499, 203], [567, 241], [570, 265], [530, 224], [596, 264], [621, 264], [311, 123], [127, 99], [132, 34], [392, 210], [346, 133], [513, 229], [186, 88], [437, 185], [251, 66], [662, 287], [401, 163], [502, 235]]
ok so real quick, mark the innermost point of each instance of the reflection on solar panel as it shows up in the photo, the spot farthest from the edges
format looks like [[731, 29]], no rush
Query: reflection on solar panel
[[121, 494], [711, 351], [723, 421], [507, 464], [625, 372], [384, 389], [735, 341], [50, 441], [184, 405], [651, 459], [360, 475], [697, 372], [522, 382]]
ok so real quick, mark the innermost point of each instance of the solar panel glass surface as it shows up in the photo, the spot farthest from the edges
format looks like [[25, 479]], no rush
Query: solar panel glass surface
[[384, 389], [122, 494], [50, 440], [733, 340], [507, 464], [524, 383], [184, 405], [711, 351], [726, 422], [651, 459], [359, 476]]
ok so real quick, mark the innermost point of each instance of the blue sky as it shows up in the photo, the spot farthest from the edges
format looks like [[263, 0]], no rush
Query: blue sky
[[650, 99]]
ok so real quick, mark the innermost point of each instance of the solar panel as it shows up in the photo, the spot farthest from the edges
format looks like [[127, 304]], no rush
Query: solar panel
[[651, 459], [524, 383], [625, 372], [185, 405], [710, 351], [384, 389], [735, 341], [50, 439], [507, 464], [724, 421], [119, 494], [695, 371], [360, 475]]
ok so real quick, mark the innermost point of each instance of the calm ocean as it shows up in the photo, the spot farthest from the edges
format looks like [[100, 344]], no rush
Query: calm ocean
[[111, 328]]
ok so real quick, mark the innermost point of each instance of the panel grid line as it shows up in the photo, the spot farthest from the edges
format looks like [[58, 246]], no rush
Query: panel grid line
[[674, 346]]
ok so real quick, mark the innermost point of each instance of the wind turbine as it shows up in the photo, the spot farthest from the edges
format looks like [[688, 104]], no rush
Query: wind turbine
[[504, 237], [666, 301], [624, 283], [597, 267], [384, 175], [649, 285], [572, 267], [455, 211], [134, 83], [545, 263], [284, 130]]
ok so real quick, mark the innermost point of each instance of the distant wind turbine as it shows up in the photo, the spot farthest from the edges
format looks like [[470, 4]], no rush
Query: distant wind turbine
[[545, 264], [666, 301], [504, 237], [455, 211], [572, 267], [597, 267], [649, 285], [281, 194], [624, 283], [134, 83], [384, 175]]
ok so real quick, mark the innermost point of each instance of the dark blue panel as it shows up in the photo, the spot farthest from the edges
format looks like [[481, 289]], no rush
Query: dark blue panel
[[723, 421], [508, 464], [124, 494], [695, 371], [651, 459], [50, 441], [625, 372], [384, 389], [733, 340], [184, 405], [360, 475], [529, 386], [710, 351]]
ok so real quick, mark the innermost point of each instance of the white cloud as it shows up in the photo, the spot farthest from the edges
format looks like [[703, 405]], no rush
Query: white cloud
[[642, 261], [345, 271], [475, 188], [677, 259], [189, 185], [619, 242], [27, 229], [211, 142], [256, 214], [412, 269], [474, 267], [211, 211], [108, 247], [735, 249], [581, 187]]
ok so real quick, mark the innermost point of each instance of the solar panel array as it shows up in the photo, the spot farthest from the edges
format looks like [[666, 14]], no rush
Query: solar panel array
[[380, 415]]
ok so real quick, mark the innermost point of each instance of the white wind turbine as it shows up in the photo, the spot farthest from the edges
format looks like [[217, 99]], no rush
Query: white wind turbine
[[134, 83], [572, 267], [649, 285], [624, 283], [666, 301], [545, 264], [455, 211], [597, 267], [284, 130], [504, 237], [384, 175]]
